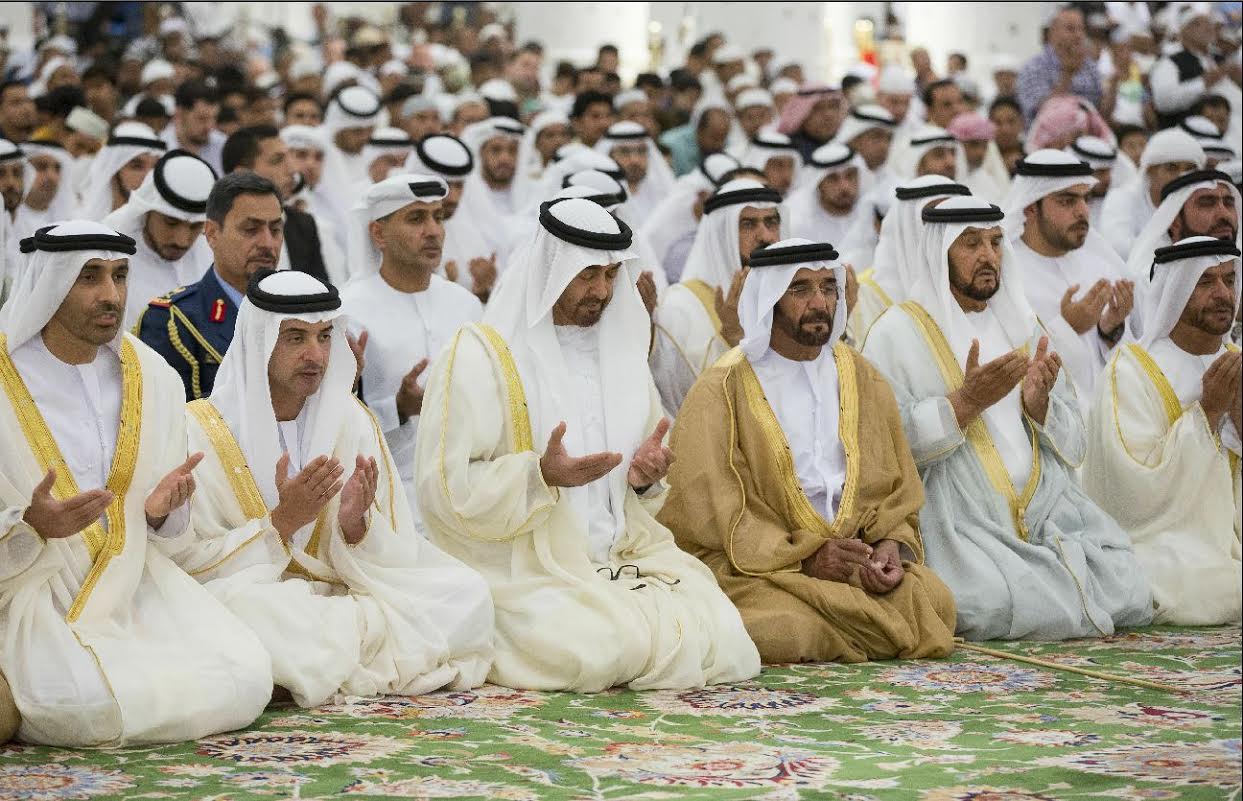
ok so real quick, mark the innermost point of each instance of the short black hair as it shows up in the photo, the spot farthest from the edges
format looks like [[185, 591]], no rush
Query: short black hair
[[532, 47], [566, 70], [699, 49], [646, 80], [64, 99], [1208, 101], [586, 100], [850, 82], [191, 93], [611, 49], [1005, 101], [294, 97], [226, 191], [960, 56], [150, 107], [242, 147], [98, 72], [400, 93], [502, 108], [1124, 130], [930, 90], [683, 80]]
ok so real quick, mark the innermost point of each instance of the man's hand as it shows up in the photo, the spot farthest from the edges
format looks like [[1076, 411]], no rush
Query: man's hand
[[356, 498], [305, 495], [838, 559], [410, 394], [358, 345], [984, 385], [451, 271], [852, 289], [1219, 387], [1084, 313], [727, 308], [483, 275], [652, 460], [647, 291], [562, 470], [880, 580], [1039, 380], [173, 491], [54, 520], [1121, 302]]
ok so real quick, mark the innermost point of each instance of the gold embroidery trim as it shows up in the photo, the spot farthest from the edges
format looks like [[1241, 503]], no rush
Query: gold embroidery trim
[[865, 279], [519, 415], [729, 361], [977, 432], [706, 296], [1169, 398], [388, 462], [101, 544], [245, 489]]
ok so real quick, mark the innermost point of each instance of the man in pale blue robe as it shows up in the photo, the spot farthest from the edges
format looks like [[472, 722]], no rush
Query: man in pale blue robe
[[1005, 525]]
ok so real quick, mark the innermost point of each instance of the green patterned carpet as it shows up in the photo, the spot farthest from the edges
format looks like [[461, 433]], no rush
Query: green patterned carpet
[[971, 728]]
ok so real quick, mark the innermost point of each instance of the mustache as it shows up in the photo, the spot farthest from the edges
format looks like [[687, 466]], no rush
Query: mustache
[[106, 307], [816, 317]]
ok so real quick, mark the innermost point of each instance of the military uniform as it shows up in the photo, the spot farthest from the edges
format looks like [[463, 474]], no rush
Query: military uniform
[[191, 327]]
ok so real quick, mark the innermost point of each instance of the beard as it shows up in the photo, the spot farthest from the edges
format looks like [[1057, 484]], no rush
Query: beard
[[1070, 238], [979, 287], [1205, 321], [801, 332]]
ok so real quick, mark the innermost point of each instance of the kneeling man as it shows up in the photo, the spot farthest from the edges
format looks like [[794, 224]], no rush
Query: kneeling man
[[303, 528], [1163, 450], [590, 590], [794, 483]]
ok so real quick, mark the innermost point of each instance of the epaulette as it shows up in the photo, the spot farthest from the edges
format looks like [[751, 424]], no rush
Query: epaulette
[[168, 298], [182, 292]]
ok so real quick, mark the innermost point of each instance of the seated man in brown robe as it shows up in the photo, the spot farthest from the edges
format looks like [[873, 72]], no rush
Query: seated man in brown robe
[[794, 483]]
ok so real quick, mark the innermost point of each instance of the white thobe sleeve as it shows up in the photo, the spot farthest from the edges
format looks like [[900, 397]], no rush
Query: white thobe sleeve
[[174, 525], [1170, 95], [1063, 431], [1230, 437], [20, 545]]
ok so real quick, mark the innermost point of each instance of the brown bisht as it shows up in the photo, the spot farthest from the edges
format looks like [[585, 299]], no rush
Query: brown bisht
[[736, 503]]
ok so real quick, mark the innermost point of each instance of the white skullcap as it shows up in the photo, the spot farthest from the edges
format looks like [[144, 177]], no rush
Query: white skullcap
[[862, 119], [477, 134], [173, 25], [338, 73], [741, 81], [623, 99], [626, 129], [727, 54], [1170, 145], [156, 70], [832, 156], [416, 103], [303, 137], [305, 67], [500, 90], [749, 98], [61, 42], [1193, 11], [895, 81], [783, 86], [393, 67], [493, 30], [1098, 153]]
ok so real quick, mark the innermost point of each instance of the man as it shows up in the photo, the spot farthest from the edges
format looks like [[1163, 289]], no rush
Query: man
[[464, 258], [1181, 79], [670, 228], [827, 205], [385, 151], [12, 188], [192, 328], [1063, 67], [18, 115], [591, 116], [648, 177], [868, 130], [165, 218], [942, 102], [705, 133], [1101, 157], [1163, 446], [1198, 203], [635, 105], [894, 91], [118, 645], [776, 157], [306, 535], [982, 166], [409, 312], [49, 196], [931, 150], [1216, 148], [996, 433], [1127, 209], [303, 109], [352, 114], [261, 150], [488, 198], [1073, 280], [308, 152], [812, 117], [696, 321], [835, 574], [548, 131], [755, 110], [118, 169], [194, 123], [590, 591]]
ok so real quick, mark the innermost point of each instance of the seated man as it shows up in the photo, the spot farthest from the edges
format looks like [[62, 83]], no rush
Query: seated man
[[648, 177], [1197, 203], [1074, 281], [590, 590], [108, 642], [996, 432], [303, 528], [808, 516], [1163, 450], [1128, 207], [697, 319]]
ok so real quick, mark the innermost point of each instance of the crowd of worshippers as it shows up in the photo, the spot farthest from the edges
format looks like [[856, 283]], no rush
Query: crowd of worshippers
[[425, 390]]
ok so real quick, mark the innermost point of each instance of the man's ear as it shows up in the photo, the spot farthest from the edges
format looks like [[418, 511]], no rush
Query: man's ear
[[376, 230], [1030, 211], [211, 231]]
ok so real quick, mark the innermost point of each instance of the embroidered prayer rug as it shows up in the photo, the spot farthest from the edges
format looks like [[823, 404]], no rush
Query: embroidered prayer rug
[[970, 728]]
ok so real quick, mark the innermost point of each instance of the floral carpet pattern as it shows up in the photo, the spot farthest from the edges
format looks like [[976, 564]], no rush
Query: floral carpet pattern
[[970, 728]]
